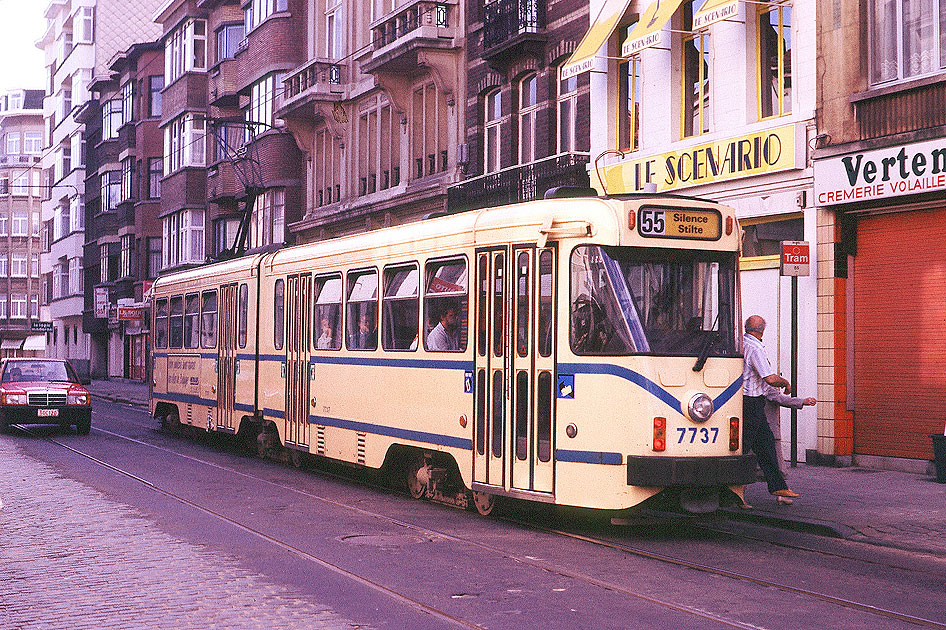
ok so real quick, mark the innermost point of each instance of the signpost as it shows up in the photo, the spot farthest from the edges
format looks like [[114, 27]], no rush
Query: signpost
[[795, 262], [37, 326]]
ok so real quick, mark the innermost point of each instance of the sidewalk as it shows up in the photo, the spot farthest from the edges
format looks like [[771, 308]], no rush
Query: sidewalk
[[887, 508]]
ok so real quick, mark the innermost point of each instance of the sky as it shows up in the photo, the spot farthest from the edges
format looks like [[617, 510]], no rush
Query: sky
[[21, 24]]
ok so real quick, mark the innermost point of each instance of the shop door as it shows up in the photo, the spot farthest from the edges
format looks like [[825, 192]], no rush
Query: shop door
[[226, 355], [298, 369], [899, 333], [514, 368]]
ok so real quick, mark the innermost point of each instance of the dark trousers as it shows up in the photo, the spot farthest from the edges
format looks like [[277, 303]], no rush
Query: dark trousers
[[757, 435]]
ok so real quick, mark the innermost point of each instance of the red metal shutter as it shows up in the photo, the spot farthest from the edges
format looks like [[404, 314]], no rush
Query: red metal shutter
[[900, 333]]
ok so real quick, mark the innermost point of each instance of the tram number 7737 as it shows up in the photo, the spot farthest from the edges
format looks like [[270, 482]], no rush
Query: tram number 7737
[[703, 432]]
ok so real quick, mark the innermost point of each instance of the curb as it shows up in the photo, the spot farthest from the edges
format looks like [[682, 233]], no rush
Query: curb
[[808, 526], [117, 399]]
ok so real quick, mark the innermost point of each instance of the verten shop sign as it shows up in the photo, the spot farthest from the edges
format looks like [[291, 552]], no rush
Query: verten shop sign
[[905, 170], [730, 158]]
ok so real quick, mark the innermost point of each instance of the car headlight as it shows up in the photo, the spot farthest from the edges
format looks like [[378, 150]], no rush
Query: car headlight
[[13, 398], [700, 408], [78, 399]]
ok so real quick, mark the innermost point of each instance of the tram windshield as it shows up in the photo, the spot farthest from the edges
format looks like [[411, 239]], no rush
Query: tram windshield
[[629, 300]]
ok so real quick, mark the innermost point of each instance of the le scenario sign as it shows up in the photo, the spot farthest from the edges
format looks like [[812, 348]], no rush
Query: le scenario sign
[[760, 153], [796, 258], [901, 170]]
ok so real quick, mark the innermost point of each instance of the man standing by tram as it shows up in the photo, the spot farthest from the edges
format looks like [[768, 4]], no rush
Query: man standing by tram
[[756, 373]]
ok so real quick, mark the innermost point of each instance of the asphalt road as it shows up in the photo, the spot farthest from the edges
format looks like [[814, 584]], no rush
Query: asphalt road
[[257, 543]]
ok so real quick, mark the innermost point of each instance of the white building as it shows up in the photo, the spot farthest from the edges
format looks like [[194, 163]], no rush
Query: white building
[[716, 99], [81, 38]]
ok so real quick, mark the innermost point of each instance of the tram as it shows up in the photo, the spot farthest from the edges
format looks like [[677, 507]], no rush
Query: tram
[[582, 351]]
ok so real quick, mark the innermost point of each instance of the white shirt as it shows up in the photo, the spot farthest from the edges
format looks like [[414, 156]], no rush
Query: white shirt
[[440, 339], [756, 367]]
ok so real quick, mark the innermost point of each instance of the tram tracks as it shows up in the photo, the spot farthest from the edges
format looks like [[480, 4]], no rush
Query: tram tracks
[[526, 560]]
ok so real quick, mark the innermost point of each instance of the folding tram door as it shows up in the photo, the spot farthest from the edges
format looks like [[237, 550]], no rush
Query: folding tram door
[[514, 373], [298, 350], [227, 355]]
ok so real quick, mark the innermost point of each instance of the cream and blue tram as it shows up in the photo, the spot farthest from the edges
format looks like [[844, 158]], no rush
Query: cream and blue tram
[[579, 351]]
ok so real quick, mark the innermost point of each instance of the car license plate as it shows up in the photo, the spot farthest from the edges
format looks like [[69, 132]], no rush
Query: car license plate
[[47, 413]]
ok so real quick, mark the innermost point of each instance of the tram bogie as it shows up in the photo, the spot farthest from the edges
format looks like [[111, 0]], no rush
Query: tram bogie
[[572, 351]]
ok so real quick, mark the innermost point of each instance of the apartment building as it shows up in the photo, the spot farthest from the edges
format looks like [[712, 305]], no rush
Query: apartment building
[[716, 99], [123, 189], [528, 129], [22, 333], [377, 107], [81, 38], [880, 189]]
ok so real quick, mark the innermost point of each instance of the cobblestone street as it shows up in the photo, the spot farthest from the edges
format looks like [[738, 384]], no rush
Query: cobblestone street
[[73, 559]]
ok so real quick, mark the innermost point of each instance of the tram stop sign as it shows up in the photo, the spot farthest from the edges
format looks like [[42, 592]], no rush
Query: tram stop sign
[[795, 258]]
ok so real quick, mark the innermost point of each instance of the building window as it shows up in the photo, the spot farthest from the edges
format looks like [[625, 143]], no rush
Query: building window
[[183, 238], [34, 265], [775, 60], [269, 218], [84, 25], [103, 262], [128, 102], [225, 231], [763, 238], [429, 131], [21, 185], [13, 143], [264, 99], [111, 190], [75, 214], [17, 306], [34, 306], [184, 142], [528, 106], [111, 119], [629, 99], [907, 38], [4, 265], [21, 223], [154, 258], [695, 91], [155, 85], [492, 119], [567, 108], [155, 173], [126, 257], [3, 306], [259, 10], [33, 142], [127, 184], [185, 50], [18, 265], [379, 145], [229, 38]]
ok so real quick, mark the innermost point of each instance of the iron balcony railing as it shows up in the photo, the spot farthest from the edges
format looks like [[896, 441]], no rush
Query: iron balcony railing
[[524, 182], [504, 20], [317, 76], [406, 19]]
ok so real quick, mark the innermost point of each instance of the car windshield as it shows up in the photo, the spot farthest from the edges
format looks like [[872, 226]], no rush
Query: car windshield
[[628, 300], [38, 371]]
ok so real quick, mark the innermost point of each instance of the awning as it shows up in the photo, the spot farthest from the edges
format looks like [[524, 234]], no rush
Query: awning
[[11, 344], [601, 29], [648, 29], [35, 342], [714, 11]]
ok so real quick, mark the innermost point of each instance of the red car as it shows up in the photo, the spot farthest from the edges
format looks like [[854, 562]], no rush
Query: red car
[[43, 391]]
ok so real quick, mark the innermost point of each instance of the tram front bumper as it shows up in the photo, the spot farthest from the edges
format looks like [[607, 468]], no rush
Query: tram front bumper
[[731, 470]]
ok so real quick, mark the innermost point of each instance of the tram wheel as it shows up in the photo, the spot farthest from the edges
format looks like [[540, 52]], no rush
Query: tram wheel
[[484, 502], [415, 476], [171, 422]]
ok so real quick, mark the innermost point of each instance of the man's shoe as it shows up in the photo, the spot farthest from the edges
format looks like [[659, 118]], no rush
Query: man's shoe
[[786, 493]]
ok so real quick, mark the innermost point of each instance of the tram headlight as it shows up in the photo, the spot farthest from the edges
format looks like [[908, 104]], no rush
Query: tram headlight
[[700, 408]]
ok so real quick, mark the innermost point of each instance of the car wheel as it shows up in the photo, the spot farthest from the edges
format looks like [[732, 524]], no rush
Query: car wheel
[[83, 427]]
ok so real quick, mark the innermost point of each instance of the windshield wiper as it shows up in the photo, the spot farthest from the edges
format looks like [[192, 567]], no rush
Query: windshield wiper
[[704, 353]]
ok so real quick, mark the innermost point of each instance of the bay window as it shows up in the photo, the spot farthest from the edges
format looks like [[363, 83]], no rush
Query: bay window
[[185, 50], [184, 140], [183, 241]]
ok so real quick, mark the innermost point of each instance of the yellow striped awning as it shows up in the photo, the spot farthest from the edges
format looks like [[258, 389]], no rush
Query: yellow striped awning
[[714, 11], [598, 33], [648, 29]]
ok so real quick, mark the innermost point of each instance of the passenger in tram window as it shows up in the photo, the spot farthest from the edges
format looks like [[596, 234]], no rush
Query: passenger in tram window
[[326, 340], [366, 338], [444, 337]]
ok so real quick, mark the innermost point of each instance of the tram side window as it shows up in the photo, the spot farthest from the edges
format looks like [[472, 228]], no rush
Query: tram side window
[[191, 320], [545, 303], [177, 321], [362, 315], [208, 319], [244, 310], [446, 306], [279, 313], [328, 312], [400, 308], [161, 323]]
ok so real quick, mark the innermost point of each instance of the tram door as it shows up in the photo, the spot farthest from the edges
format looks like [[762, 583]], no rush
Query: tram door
[[298, 369], [227, 355], [514, 368]]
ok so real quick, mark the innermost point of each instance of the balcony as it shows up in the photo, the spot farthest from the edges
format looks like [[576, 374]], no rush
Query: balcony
[[318, 81], [524, 182], [511, 28], [400, 38]]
